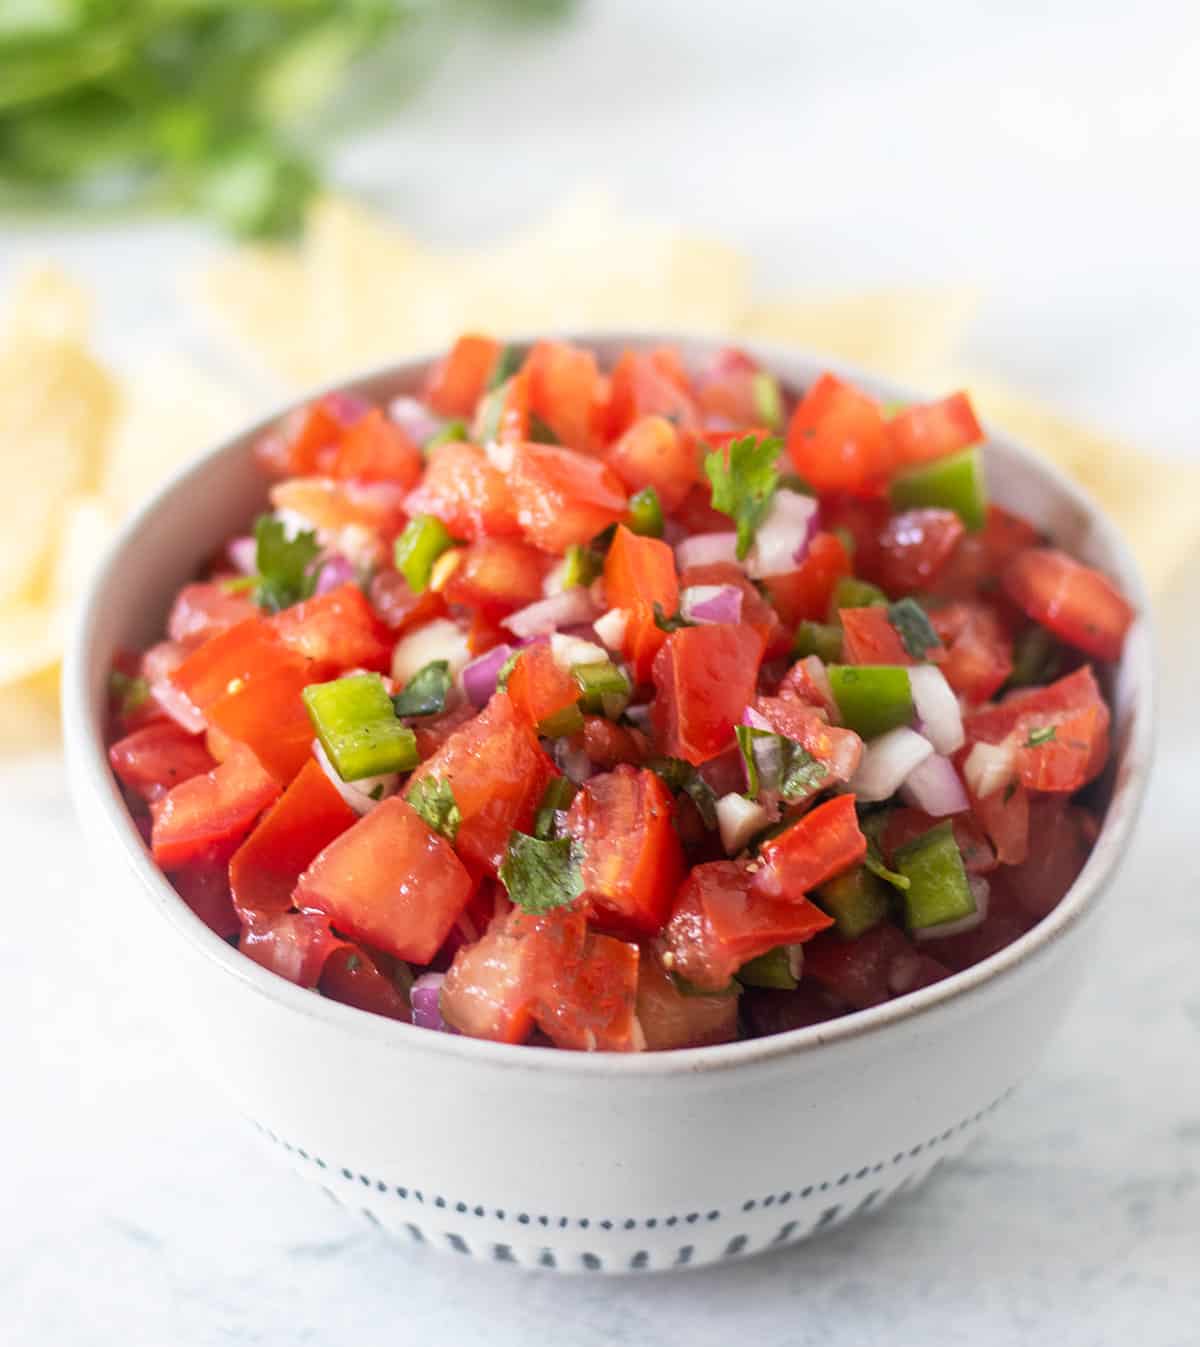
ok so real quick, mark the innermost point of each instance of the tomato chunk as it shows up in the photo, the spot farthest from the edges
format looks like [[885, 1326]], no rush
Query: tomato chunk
[[639, 573], [206, 817], [805, 593], [375, 449], [837, 439], [564, 390], [564, 497], [204, 610], [204, 887], [1076, 602], [486, 993], [496, 576], [466, 492], [355, 978], [653, 452], [329, 505], [456, 383], [869, 638], [704, 678], [1060, 839], [840, 750], [824, 842], [632, 858], [293, 944], [538, 689], [671, 1018], [977, 654], [389, 880], [649, 383], [158, 757], [915, 547], [337, 630], [870, 970], [295, 447], [590, 1003], [933, 429]]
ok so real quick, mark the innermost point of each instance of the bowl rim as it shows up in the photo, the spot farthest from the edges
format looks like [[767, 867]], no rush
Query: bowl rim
[[95, 788]]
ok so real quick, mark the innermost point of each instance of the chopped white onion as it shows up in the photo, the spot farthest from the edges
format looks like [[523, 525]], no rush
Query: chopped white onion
[[439, 639], [611, 627], [414, 418], [363, 795], [980, 891], [783, 536], [738, 820], [703, 549], [568, 651], [990, 767], [933, 786], [886, 762], [555, 581], [937, 707], [711, 603], [571, 607]]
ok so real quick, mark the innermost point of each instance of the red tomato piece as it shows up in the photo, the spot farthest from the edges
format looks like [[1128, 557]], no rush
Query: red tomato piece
[[159, 664], [204, 887], [564, 390], [868, 637], [338, 630], [375, 449], [1073, 692], [1061, 836], [457, 382], [564, 497], [979, 558], [153, 760], [807, 682], [839, 749], [206, 609], [433, 731], [696, 513], [838, 441], [205, 817], [389, 880], [756, 611], [293, 944], [463, 489], [1076, 602], [805, 593], [397, 607], [632, 859], [294, 448], [933, 429], [859, 521], [486, 992], [823, 843], [352, 976], [497, 576], [331, 506], [590, 1003], [653, 452], [639, 573], [301, 823], [725, 390], [1073, 755], [649, 383], [915, 547], [607, 744], [673, 1019], [538, 688], [1004, 818], [513, 423], [498, 773], [870, 970], [704, 678], [977, 652]]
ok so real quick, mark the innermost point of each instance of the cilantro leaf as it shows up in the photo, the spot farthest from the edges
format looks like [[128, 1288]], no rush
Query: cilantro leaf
[[681, 778], [913, 627], [1038, 737], [502, 674], [433, 799], [803, 775], [744, 478], [673, 623], [541, 875], [508, 362], [541, 432], [872, 826], [556, 799], [425, 692], [129, 693], [779, 764], [284, 565]]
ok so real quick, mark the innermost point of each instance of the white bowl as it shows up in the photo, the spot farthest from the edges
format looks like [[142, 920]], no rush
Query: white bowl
[[605, 1163]]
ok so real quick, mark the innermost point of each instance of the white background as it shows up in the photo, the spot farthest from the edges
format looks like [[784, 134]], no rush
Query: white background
[[1047, 153]]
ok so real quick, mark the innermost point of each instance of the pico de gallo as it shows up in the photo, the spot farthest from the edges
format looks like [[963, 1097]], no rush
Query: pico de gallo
[[622, 708]]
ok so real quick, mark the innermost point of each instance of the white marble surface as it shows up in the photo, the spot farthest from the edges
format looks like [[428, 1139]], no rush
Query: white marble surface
[[139, 1211]]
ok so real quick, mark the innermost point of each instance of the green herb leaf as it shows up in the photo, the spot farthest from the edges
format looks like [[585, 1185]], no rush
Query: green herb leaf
[[541, 432], [453, 432], [433, 799], [872, 825], [556, 799], [505, 670], [682, 778], [425, 692], [799, 773], [285, 565], [672, 623], [803, 775], [541, 875], [508, 362], [744, 478], [913, 627], [1043, 735], [130, 694]]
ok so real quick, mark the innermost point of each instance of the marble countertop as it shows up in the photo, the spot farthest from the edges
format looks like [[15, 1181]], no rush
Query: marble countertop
[[141, 1211]]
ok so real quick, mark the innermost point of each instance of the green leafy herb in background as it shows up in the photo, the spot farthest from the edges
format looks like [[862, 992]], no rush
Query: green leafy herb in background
[[744, 476]]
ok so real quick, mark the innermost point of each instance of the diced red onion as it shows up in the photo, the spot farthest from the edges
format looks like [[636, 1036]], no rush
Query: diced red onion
[[479, 677], [415, 419], [706, 548], [547, 615], [639, 716], [937, 708], [572, 762], [784, 535], [335, 571], [425, 998], [346, 408], [738, 819], [243, 555], [711, 603], [359, 795], [980, 891], [886, 763], [756, 720], [934, 786], [990, 767], [158, 664]]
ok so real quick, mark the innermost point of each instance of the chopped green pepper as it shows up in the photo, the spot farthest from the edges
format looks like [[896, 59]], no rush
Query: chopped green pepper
[[605, 688], [818, 638], [872, 698], [856, 900], [581, 566], [1037, 658], [562, 723], [768, 400], [645, 513], [938, 891], [453, 432], [951, 483], [424, 540], [772, 969], [850, 592], [356, 723]]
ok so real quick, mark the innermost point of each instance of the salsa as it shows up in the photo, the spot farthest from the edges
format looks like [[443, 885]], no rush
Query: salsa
[[622, 709]]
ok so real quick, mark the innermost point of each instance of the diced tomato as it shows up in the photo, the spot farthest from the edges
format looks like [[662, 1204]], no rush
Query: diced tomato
[[294, 447], [397, 607], [153, 760], [840, 750], [976, 657], [486, 993], [1004, 817], [538, 688], [564, 387], [375, 449], [466, 492], [805, 593], [823, 843], [204, 610], [868, 637], [639, 573], [590, 1004], [158, 665], [915, 547], [433, 731], [205, 817], [1061, 836], [725, 390], [352, 976], [204, 887], [979, 558], [653, 452], [768, 1011], [456, 383], [704, 677], [838, 440], [389, 880], [858, 972], [721, 920], [670, 1018], [338, 629], [649, 383], [485, 632], [756, 611], [632, 861], [332, 506], [1077, 603], [293, 944], [933, 429], [513, 423], [696, 514], [498, 773], [608, 744], [564, 497], [307, 817], [497, 575], [861, 520], [1073, 692]]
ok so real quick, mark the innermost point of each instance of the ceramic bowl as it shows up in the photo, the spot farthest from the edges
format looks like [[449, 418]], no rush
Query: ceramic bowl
[[591, 1163]]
